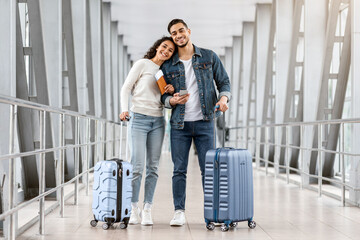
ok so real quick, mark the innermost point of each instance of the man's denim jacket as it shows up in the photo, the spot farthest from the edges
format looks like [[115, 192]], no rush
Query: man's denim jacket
[[207, 67]]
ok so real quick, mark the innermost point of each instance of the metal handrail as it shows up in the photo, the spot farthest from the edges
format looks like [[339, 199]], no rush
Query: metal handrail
[[308, 149], [298, 124], [48, 150], [14, 103], [348, 186], [41, 107], [301, 170], [26, 203]]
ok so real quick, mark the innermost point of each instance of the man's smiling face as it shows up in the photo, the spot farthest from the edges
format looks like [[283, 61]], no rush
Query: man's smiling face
[[180, 34]]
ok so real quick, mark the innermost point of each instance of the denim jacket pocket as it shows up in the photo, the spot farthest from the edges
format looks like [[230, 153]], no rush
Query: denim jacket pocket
[[205, 70], [205, 66], [173, 75], [174, 79]]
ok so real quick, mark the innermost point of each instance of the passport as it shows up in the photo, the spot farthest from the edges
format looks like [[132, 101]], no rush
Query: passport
[[160, 81]]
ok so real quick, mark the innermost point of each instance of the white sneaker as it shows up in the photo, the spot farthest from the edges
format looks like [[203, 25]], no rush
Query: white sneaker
[[146, 217], [179, 218], [135, 217]]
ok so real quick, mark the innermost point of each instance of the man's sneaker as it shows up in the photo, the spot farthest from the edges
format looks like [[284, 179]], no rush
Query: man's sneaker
[[135, 217], [179, 218], [146, 217]]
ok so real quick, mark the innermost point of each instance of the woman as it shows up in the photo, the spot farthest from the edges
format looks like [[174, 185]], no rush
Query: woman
[[147, 124]]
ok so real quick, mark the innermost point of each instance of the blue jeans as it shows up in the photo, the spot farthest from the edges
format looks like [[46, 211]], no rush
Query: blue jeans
[[146, 137], [203, 134]]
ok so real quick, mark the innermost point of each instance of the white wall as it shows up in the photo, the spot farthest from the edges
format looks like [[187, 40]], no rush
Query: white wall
[[355, 83]]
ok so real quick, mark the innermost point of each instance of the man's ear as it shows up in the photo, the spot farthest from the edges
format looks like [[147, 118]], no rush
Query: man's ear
[[189, 30]]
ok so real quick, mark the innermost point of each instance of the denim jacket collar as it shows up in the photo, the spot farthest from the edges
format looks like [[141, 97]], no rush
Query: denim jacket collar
[[176, 59]]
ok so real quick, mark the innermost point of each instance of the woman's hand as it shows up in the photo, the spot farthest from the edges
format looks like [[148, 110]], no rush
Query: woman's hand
[[169, 89], [124, 115]]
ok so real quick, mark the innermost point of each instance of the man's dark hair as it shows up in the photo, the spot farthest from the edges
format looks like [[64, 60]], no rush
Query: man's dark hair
[[176, 21]]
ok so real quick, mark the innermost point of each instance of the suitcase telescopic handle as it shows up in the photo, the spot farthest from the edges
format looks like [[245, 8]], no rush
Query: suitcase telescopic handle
[[223, 140], [122, 123]]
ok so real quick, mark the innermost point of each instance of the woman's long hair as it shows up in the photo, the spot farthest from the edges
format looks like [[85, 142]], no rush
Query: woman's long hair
[[152, 51]]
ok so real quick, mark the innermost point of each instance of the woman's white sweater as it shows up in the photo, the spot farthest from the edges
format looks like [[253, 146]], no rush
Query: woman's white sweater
[[141, 84]]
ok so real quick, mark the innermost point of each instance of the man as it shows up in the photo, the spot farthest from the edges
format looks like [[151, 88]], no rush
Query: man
[[193, 69]]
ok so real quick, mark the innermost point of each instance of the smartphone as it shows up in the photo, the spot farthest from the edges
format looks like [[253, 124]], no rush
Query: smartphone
[[183, 92]]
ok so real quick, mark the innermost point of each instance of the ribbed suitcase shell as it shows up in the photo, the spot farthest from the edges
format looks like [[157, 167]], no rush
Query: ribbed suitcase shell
[[234, 184], [105, 190]]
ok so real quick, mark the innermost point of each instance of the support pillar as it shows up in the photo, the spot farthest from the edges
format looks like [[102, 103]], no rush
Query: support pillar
[[121, 66], [284, 22], [229, 69], [263, 21], [314, 43], [37, 38], [114, 70], [95, 32], [106, 18], [246, 51], [235, 85], [7, 87]]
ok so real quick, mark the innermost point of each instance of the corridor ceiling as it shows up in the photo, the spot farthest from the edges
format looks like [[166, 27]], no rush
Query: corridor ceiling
[[213, 23]]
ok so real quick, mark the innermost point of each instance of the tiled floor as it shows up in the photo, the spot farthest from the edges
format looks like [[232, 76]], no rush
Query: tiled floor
[[281, 211]]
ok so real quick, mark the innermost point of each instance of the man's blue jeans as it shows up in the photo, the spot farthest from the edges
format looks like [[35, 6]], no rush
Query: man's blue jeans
[[203, 134], [146, 135]]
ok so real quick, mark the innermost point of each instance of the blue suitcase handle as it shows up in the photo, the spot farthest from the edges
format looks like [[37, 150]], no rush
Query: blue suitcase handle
[[216, 107]]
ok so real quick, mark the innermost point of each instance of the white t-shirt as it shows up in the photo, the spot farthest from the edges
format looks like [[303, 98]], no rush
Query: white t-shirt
[[192, 106], [141, 83]]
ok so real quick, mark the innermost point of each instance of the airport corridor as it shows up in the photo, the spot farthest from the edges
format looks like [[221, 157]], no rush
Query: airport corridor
[[282, 211]]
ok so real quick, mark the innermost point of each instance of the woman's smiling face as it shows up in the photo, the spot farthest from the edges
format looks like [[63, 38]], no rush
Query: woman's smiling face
[[165, 50]]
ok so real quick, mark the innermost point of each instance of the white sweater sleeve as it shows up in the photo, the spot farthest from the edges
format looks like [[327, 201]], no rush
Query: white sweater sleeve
[[133, 76]]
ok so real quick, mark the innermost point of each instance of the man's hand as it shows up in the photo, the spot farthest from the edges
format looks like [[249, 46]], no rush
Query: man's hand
[[177, 99], [169, 89], [123, 116], [222, 104]]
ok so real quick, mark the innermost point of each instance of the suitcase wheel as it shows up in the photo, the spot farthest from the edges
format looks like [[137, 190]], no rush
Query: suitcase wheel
[[93, 223], [252, 224], [210, 226], [105, 226], [233, 224], [224, 228], [123, 225]]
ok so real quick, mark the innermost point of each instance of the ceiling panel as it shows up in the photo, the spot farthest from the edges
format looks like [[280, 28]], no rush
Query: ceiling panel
[[212, 22]]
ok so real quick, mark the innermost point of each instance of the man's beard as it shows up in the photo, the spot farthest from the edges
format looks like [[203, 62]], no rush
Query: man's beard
[[184, 45]]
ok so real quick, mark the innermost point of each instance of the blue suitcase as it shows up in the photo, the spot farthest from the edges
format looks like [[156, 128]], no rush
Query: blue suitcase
[[112, 193], [228, 188]]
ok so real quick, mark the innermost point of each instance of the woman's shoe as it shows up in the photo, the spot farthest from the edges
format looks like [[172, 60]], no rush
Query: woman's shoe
[[135, 216], [146, 217]]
